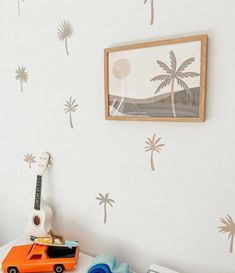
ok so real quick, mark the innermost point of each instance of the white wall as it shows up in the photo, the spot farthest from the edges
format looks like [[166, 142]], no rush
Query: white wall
[[169, 216]]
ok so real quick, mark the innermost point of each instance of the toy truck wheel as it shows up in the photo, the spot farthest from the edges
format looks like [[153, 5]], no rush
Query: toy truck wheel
[[59, 268], [12, 269]]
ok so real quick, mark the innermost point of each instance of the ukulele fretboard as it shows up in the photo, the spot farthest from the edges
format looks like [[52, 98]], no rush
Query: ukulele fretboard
[[37, 200]]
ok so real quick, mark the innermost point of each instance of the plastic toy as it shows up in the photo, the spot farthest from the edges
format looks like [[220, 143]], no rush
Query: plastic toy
[[40, 258], [54, 241], [107, 264], [154, 268], [55, 236]]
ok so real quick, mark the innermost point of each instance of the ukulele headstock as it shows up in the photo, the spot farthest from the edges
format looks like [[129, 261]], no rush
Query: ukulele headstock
[[45, 162]]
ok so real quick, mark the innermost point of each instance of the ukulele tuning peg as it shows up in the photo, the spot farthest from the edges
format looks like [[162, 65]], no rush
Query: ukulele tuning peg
[[50, 161]]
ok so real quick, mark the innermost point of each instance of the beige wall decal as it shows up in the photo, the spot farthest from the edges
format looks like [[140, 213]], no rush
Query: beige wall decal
[[71, 106], [152, 11], [228, 227], [22, 76], [105, 200], [153, 145], [65, 32], [19, 6], [30, 159], [174, 74]]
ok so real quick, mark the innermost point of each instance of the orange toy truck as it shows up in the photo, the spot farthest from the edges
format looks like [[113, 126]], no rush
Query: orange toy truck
[[40, 258]]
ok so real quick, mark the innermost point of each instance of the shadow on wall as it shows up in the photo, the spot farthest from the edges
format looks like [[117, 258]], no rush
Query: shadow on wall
[[93, 245], [18, 5]]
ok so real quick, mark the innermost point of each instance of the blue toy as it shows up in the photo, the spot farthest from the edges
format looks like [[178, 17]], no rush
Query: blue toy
[[107, 264]]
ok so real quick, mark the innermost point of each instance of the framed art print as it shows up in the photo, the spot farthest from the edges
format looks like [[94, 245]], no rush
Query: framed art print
[[157, 81]]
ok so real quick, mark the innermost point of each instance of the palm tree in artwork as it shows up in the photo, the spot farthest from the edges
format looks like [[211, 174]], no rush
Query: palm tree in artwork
[[228, 227], [21, 75], [65, 32], [174, 74], [30, 159], [71, 107], [105, 200], [19, 6], [153, 145], [152, 11]]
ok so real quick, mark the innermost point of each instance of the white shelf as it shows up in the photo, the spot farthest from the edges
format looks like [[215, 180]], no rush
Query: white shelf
[[84, 261]]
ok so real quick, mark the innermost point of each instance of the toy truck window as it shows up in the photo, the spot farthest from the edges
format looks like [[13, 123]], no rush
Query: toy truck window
[[61, 252], [36, 257]]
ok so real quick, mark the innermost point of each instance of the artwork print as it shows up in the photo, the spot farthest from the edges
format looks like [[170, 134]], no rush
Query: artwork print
[[164, 80]]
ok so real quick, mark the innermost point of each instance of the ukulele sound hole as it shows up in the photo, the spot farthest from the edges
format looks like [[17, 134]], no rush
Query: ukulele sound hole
[[36, 220]]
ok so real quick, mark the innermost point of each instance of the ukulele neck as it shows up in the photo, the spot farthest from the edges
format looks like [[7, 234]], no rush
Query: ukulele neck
[[37, 200]]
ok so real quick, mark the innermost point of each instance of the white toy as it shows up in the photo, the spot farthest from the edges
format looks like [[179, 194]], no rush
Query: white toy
[[41, 217], [154, 268]]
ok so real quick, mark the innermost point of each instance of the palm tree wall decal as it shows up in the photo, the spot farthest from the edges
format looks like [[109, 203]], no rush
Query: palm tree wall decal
[[152, 11], [105, 200], [153, 145], [71, 106], [174, 74], [21, 75], [19, 6], [228, 227], [65, 32], [30, 159]]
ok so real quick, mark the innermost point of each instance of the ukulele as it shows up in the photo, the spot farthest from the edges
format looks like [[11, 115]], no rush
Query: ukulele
[[40, 221]]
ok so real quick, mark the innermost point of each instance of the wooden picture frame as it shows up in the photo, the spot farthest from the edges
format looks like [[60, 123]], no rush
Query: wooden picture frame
[[153, 81]]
